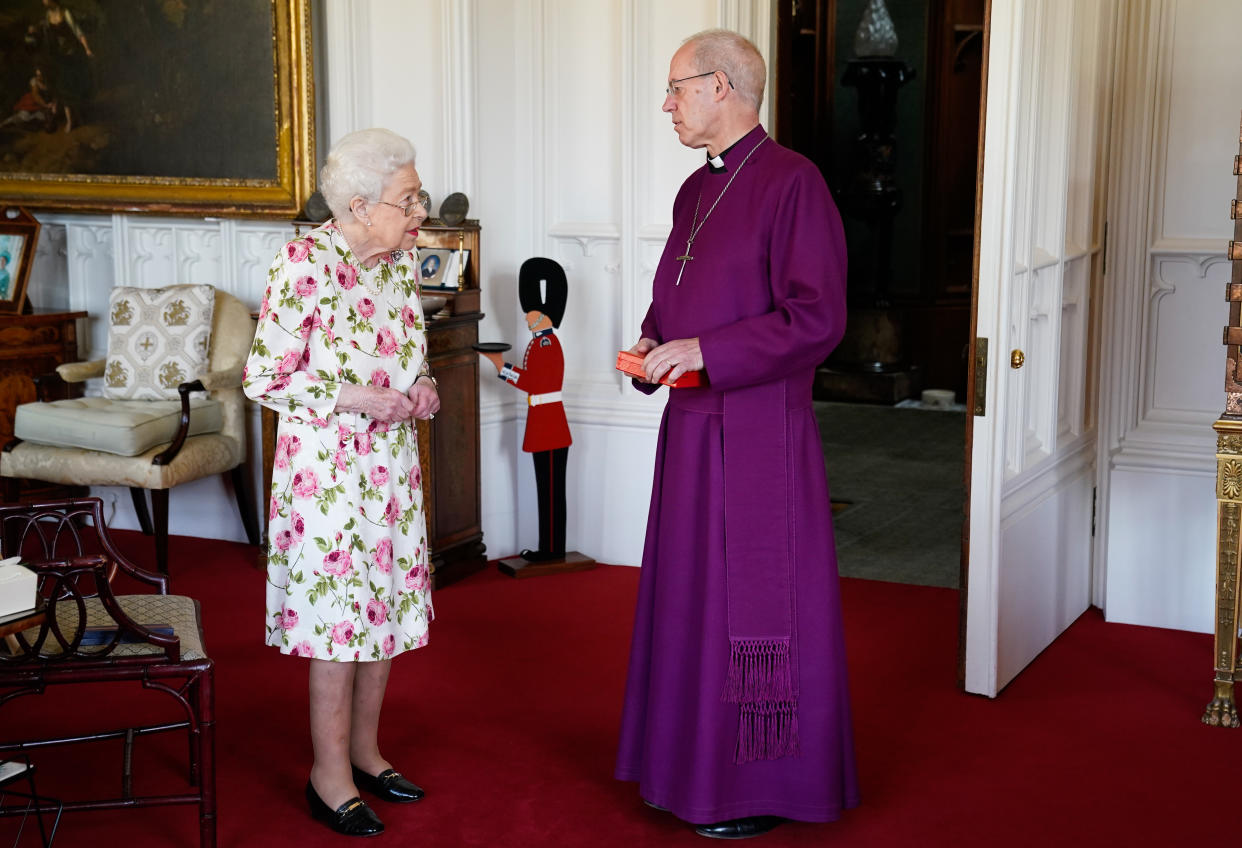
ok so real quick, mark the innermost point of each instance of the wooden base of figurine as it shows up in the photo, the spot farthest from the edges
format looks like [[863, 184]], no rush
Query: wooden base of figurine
[[519, 566]]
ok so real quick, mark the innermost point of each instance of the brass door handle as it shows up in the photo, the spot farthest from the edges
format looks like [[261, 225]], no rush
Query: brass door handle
[[1016, 358]]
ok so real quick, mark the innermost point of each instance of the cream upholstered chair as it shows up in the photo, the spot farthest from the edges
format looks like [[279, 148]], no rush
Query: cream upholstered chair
[[148, 444]]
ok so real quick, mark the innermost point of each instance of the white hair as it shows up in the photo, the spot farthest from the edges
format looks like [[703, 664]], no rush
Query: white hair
[[360, 164], [725, 50]]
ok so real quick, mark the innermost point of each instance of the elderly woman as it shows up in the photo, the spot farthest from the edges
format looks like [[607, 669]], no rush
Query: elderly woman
[[340, 353]]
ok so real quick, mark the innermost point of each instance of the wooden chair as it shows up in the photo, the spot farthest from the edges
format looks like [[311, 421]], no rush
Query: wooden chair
[[91, 635]]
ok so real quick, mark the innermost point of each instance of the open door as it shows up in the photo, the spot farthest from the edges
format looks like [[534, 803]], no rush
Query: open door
[[1031, 448]]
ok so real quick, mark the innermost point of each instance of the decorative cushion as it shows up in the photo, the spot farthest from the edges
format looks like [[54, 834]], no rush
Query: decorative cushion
[[157, 339], [123, 427], [176, 611]]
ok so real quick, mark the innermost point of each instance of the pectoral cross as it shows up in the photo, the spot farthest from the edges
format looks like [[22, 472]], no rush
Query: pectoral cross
[[683, 260]]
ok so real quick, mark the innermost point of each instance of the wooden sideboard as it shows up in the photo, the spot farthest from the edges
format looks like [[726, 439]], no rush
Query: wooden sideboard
[[448, 447], [30, 346]]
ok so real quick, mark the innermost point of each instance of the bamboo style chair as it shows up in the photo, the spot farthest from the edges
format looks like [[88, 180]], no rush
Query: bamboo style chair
[[92, 635]]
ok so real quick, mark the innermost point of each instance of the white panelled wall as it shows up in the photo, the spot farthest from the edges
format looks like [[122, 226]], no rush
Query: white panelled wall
[[1175, 134], [546, 113]]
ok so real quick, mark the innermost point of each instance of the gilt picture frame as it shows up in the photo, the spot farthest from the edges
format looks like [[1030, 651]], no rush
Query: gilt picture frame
[[19, 235], [149, 106]]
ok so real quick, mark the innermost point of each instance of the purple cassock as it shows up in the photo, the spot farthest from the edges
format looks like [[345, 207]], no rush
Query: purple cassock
[[737, 701]]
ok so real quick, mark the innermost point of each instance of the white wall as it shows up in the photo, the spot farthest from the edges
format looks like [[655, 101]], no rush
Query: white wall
[[1175, 135]]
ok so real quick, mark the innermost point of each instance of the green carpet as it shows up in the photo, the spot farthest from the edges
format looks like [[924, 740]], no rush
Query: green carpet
[[896, 480]]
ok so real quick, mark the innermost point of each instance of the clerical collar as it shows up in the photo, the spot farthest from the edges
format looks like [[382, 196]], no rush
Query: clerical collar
[[716, 164]]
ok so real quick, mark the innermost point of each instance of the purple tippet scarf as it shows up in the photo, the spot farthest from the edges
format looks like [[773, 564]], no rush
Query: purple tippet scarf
[[759, 565]]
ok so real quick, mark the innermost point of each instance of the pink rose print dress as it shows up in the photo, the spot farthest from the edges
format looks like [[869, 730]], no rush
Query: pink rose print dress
[[347, 554]]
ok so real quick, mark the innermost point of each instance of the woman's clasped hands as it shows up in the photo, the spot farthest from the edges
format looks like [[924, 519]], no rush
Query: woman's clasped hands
[[387, 404]]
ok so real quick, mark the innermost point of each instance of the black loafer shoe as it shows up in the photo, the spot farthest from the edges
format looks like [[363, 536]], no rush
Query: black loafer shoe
[[353, 818], [739, 828], [388, 785]]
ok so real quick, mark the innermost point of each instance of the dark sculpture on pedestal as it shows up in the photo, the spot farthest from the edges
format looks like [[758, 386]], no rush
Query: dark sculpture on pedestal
[[873, 194], [870, 364]]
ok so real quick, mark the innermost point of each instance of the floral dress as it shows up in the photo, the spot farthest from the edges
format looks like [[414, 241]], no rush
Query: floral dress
[[347, 570]]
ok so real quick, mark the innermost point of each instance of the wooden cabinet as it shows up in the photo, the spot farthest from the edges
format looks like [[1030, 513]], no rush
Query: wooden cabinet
[[30, 346], [448, 446]]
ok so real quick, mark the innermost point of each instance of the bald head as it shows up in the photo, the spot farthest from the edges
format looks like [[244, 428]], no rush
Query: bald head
[[723, 50]]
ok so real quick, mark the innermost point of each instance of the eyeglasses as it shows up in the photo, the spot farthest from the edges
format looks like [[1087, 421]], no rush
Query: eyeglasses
[[672, 89], [407, 209]]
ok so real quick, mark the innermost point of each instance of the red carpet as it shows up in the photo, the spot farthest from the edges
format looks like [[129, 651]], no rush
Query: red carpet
[[509, 719]]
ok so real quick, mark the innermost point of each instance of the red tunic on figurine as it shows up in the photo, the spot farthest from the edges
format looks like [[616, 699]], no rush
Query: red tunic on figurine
[[541, 375]]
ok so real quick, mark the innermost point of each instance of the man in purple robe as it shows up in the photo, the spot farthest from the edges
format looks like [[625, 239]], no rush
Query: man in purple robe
[[737, 712]]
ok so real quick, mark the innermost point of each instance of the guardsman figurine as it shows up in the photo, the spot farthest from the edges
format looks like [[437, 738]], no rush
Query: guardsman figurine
[[542, 291]]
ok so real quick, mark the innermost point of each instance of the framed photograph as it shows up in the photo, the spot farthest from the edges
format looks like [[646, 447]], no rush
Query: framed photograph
[[435, 266], [19, 233], [168, 106]]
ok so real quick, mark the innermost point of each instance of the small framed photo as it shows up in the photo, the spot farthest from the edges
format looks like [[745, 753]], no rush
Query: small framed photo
[[435, 268], [19, 233]]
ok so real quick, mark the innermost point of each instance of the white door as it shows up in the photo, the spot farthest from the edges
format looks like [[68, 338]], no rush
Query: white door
[[1032, 451]]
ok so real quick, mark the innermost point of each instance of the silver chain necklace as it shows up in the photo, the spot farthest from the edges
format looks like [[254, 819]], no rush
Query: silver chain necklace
[[696, 225]]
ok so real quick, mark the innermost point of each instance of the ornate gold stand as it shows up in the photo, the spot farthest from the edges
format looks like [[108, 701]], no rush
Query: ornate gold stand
[[1222, 711]]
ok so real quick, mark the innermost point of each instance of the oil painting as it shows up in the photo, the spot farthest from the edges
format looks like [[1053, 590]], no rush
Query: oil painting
[[190, 106]]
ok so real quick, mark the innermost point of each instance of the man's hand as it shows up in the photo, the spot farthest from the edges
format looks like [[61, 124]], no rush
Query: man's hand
[[671, 359], [641, 347]]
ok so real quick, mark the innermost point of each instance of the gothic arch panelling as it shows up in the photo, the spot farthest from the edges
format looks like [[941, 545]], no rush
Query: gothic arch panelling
[[1183, 373]]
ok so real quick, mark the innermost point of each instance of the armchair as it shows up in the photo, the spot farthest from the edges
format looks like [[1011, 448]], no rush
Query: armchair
[[146, 444], [91, 635]]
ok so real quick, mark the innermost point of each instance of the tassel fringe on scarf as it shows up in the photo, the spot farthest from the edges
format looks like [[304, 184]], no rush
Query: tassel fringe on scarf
[[760, 682]]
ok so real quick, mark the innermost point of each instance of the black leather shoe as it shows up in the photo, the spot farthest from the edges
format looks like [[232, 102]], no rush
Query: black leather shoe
[[353, 818], [739, 828], [655, 806], [388, 785]]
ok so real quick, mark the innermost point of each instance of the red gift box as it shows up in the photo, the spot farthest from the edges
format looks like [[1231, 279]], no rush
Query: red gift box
[[632, 364]]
